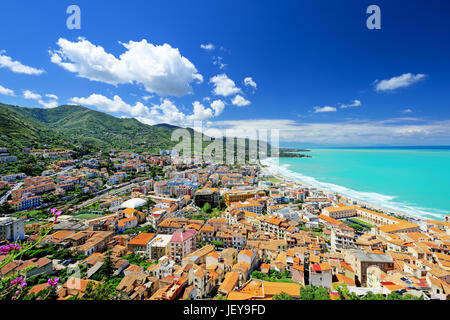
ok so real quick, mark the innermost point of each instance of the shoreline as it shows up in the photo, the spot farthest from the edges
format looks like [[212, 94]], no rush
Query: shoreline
[[265, 169]]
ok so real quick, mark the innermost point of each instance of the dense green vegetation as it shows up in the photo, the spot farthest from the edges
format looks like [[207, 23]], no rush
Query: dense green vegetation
[[86, 130], [314, 293], [273, 276], [282, 296], [145, 229], [344, 294], [138, 260]]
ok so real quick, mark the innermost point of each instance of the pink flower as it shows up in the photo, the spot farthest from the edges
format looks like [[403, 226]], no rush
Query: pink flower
[[53, 210], [17, 292]]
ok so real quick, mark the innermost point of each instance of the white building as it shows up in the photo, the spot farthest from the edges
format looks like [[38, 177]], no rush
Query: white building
[[11, 229]]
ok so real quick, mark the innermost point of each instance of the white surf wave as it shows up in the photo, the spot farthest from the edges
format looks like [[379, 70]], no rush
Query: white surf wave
[[386, 202]]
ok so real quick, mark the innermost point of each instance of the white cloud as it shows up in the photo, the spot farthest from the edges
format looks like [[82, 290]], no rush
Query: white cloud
[[249, 82], [218, 62], [403, 81], [324, 109], [240, 101], [355, 103], [51, 103], [16, 66], [208, 46], [223, 85], [217, 106], [146, 98], [407, 111], [115, 105], [51, 96], [165, 112], [160, 69], [27, 94], [6, 91], [200, 113]]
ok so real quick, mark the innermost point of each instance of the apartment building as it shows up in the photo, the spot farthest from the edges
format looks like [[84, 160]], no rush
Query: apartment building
[[182, 244], [360, 260], [159, 246], [11, 229], [231, 196]]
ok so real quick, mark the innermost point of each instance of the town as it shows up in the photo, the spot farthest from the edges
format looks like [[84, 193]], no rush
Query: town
[[141, 226]]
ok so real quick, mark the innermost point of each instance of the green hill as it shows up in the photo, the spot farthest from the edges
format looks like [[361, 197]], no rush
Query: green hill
[[86, 128], [83, 130], [18, 130]]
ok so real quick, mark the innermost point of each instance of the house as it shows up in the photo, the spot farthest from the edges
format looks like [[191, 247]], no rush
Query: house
[[127, 223], [75, 287], [11, 229], [264, 290], [207, 195], [96, 243], [140, 244], [130, 212], [182, 244], [201, 281], [162, 269], [230, 282], [360, 260], [249, 257], [320, 275], [137, 286], [198, 257], [159, 246]]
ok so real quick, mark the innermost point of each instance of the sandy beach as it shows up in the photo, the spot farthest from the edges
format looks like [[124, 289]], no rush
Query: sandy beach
[[269, 171]]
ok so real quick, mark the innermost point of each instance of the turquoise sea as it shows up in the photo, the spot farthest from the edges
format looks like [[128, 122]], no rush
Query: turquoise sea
[[413, 180]]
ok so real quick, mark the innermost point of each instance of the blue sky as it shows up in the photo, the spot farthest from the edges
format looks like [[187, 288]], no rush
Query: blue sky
[[313, 69]]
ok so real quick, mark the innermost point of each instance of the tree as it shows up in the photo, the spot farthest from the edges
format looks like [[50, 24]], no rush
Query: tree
[[107, 269], [314, 293], [222, 204], [206, 208], [100, 291], [282, 296], [5, 208], [344, 294], [148, 204]]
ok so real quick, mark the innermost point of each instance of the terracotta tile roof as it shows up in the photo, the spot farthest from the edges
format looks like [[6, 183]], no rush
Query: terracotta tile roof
[[341, 279], [142, 239], [230, 281]]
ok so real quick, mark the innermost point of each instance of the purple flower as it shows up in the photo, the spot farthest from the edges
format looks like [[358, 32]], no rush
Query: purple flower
[[23, 284], [4, 250], [58, 213], [53, 210], [15, 246], [17, 292], [53, 282], [16, 280]]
